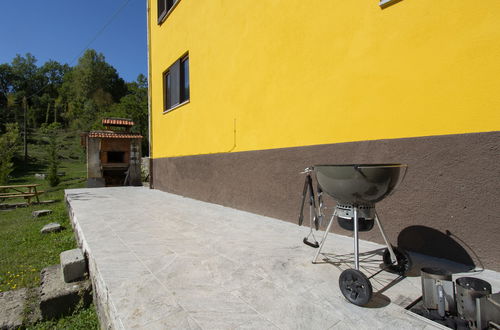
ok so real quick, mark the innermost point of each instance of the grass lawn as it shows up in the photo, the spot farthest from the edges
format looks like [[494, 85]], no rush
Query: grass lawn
[[24, 251], [81, 320]]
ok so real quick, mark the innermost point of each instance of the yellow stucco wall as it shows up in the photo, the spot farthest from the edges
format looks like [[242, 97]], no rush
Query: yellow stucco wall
[[283, 73]]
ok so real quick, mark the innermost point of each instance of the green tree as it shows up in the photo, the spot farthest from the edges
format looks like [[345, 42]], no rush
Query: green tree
[[93, 85], [6, 80], [8, 146], [26, 83], [26, 76], [6, 86], [52, 73], [52, 132]]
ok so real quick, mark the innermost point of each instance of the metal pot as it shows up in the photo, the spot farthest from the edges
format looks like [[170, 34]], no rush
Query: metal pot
[[438, 290], [488, 311], [468, 289]]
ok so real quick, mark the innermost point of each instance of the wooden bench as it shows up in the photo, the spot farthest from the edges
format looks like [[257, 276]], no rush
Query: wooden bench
[[26, 191]]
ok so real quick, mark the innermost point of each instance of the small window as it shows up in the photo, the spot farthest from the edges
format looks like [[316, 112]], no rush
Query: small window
[[176, 84], [164, 7]]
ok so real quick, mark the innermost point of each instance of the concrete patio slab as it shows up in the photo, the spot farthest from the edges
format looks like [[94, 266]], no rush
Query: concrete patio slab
[[12, 305], [162, 261]]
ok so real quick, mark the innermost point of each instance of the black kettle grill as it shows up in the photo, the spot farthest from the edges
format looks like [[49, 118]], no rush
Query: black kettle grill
[[356, 188]]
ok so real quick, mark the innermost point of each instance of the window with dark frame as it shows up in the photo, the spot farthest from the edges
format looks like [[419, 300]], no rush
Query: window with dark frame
[[176, 84], [164, 7], [184, 79], [168, 90]]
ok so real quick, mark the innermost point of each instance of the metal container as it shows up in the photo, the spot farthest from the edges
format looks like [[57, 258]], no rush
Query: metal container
[[488, 311], [359, 183], [438, 290], [345, 216], [468, 289]]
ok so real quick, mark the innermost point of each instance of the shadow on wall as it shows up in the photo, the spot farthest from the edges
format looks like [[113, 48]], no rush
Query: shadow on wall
[[432, 242], [387, 3]]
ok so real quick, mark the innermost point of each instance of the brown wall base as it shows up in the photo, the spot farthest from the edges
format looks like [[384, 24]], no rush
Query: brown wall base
[[448, 205]]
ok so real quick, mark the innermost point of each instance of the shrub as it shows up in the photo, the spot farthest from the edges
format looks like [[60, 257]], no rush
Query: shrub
[[51, 131], [8, 146]]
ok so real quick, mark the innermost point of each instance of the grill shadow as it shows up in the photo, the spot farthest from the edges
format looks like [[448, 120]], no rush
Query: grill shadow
[[432, 242]]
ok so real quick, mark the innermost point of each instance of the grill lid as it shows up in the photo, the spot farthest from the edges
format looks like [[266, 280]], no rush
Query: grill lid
[[359, 183]]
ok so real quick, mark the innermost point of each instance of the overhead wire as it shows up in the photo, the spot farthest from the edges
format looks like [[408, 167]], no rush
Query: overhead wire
[[101, 30], [110, 20]]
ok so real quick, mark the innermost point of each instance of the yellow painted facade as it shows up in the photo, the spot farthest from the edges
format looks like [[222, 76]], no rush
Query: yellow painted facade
[[284, 73]]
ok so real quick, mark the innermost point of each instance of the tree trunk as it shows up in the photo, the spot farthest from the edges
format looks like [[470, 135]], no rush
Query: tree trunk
[[55, 112], [47, 113]]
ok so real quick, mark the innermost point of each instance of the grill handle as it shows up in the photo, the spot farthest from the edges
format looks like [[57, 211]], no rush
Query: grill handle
[[314, 245], [441, 300]]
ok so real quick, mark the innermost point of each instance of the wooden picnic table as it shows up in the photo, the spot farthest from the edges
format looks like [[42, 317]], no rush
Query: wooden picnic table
[[26, 191]]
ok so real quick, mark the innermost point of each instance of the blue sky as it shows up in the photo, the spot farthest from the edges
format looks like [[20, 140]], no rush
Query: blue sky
[[61, 29]]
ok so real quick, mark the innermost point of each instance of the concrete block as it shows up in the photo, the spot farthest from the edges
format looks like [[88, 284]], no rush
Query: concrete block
[[40, 213], [13, 206], [12, 305], [58, 298], [73, 265], [51, 228]]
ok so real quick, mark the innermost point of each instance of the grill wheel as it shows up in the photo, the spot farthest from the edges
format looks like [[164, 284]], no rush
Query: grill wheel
[[355, 287], [403, 264]]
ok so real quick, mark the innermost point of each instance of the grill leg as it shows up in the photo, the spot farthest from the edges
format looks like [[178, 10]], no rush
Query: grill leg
[[356, 239], [389, 246], [324, 237]]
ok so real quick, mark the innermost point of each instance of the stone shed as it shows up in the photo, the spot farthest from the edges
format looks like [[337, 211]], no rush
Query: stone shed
[[113, 154]]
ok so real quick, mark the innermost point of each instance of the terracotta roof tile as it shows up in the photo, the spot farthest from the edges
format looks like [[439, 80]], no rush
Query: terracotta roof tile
[[117, 122], [113, 135]]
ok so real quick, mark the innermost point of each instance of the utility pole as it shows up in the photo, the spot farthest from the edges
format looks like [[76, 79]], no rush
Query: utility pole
[[25, 135]]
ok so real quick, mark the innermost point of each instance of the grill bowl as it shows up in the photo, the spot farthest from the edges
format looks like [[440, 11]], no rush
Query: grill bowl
[[359, 183]]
